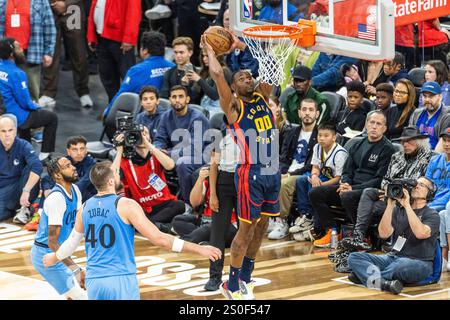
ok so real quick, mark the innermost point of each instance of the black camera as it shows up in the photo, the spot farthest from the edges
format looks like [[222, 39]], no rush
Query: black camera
[[395, 188], [132, 135]]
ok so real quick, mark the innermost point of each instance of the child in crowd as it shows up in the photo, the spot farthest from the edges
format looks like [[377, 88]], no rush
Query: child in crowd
[[327, 164], [150, 117], [384, 93], [353, 116]]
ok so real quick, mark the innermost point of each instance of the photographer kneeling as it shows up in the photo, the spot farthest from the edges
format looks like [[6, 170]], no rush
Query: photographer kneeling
[[415, 229], [142, 174]]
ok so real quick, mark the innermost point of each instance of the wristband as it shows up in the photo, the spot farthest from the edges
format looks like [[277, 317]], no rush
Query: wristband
[[26, 190], [177, 245], [77, 271]]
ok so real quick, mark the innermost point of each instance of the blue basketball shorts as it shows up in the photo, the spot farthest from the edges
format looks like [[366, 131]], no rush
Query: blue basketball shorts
[[257, 194], [59, 275], [124, 287]]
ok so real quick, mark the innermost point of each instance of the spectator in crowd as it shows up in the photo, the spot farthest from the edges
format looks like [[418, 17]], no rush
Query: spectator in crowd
[[384, 98], [353, 116], [149, 72], [372, 75], [365, 167], [74, 38], [409, 163], [241, 58], [327, 164], [273, 12], [414, 228], [280, 121], [326, 73], [188, 155], [444, 214], [395, 69], [196, 228], [152, 113], [183, 48], [16, 97], [205, 86], [437, 71], [433, 117], [432, 41], [20, 170], [302, 89], [223, 203], [83, 163], [36, 33], [143, 180], [295, 160], [113, 30], [398, 115], [439, 172]]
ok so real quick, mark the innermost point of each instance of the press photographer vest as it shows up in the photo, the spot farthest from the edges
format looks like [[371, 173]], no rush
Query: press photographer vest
[[137, 186]]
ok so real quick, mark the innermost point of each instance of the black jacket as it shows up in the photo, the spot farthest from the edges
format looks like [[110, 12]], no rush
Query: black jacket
[[173, 77], [367, 163], [289, 145]]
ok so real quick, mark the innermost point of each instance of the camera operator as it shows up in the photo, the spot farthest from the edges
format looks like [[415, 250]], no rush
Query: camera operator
[[414, 228], [410, 163], [143, 180]]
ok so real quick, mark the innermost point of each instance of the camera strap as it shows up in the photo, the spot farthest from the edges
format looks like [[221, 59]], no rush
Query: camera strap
[[133, 172]]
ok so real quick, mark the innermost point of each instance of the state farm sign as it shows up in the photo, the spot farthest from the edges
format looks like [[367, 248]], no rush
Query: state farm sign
[[410, 11]]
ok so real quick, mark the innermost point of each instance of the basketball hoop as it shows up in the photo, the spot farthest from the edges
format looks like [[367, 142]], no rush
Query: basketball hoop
[[271, 45]]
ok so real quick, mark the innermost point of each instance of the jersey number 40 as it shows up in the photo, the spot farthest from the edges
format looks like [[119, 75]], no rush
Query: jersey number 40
[[90, 236]]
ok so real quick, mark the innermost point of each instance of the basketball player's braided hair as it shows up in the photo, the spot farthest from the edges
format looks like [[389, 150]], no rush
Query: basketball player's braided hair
[[53, 167]]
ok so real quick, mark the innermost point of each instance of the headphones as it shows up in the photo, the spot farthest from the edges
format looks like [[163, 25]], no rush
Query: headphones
[[431, 191]]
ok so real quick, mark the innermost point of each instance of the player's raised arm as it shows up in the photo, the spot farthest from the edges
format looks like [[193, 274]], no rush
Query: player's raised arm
[[217, 74], [131, 210]]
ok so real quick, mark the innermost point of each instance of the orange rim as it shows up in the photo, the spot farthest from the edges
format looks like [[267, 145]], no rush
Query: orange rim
[[273, 31]]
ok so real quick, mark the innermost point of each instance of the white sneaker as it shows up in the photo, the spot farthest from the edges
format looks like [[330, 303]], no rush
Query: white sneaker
[[23, 215], [303, 224], [280, 230], [247, 290], [271, 225], [47, 102], [303, 236], [86, 101]]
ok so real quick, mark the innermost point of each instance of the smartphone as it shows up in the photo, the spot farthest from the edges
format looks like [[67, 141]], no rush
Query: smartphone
[[188, 67]]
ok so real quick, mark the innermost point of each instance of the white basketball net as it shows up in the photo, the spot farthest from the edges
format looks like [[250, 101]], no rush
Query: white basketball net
[[271, 53]]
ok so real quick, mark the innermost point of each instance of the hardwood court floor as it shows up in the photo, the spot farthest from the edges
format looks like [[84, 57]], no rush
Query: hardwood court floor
[[285, 269]]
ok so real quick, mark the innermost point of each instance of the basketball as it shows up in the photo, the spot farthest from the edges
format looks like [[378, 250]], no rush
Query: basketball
[[219, 39]]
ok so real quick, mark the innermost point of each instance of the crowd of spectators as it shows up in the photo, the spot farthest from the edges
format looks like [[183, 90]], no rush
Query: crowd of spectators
[[347, 129]]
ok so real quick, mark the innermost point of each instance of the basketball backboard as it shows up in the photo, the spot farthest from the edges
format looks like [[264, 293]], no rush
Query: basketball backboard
[[362, 29]]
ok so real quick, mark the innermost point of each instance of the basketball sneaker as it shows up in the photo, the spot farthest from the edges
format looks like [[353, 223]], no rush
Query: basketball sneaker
[[279, 231], [304, 236], [247, 290], [302, 224], [34, 223], [22, 216], [237, 295], [325, 241], [271, 225]]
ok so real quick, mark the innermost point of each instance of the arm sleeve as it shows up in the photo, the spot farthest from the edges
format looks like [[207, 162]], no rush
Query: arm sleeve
[[32, 160], [54, 207], [69, 246]]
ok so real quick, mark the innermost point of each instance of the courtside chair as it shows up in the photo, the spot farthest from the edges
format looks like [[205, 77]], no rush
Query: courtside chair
[[127, 104], [336, 101]]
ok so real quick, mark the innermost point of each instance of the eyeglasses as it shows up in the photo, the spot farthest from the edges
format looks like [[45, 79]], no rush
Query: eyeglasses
[[424, 185], [400, 92]]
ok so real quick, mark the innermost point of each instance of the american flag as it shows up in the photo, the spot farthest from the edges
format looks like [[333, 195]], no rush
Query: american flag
[[366, 32]]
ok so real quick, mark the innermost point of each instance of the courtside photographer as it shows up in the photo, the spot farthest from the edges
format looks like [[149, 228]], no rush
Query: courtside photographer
[[141, 167], [414, 228]]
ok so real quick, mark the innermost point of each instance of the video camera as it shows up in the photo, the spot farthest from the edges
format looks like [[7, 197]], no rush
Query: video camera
[[132, 135], [395, 188]]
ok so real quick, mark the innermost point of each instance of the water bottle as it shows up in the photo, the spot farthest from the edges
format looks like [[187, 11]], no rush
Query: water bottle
[[334, 239]]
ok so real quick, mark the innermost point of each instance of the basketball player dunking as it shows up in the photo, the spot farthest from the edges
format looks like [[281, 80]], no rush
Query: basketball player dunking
[[257, 177], [107, 222]]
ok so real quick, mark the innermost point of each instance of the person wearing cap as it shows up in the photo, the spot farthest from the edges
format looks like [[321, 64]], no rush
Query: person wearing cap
[[409, 163], [433, 117], [445, 214], [302, 89], [439, 172]]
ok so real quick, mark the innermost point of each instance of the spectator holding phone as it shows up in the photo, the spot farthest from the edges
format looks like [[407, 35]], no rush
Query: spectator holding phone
[[183, 48]]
